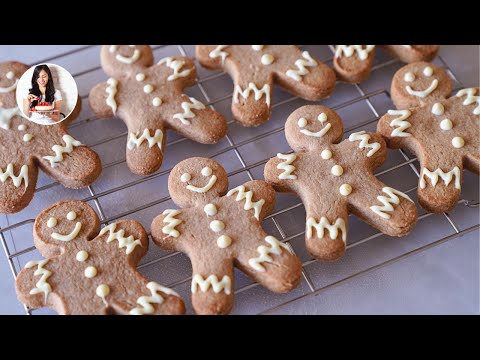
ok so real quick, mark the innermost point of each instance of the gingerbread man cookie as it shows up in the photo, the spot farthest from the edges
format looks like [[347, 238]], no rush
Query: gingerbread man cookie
[[218, 232], [443, 132], [86, 273], [25, 145], [335, 180], [353, 63], [150, 99], [254, 68]]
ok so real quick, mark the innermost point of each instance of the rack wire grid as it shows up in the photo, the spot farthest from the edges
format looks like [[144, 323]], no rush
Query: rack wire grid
[[119, 194]]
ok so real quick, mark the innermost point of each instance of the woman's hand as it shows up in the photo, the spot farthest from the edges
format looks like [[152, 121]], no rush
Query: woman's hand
[[31, 98]]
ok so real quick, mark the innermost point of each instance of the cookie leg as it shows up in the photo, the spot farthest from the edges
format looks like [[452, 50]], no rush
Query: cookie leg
[[145, 150], [17, 186]]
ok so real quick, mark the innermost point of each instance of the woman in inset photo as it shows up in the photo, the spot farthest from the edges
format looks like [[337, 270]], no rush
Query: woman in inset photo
[[43, 103]]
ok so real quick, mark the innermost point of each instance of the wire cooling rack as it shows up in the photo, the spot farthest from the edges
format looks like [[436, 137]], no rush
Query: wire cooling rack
[[119, 194]]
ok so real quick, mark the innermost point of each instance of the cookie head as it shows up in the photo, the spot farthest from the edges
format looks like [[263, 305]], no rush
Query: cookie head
[[197, 180], [419, 83], [10, 73], [312, 127], [120, 58]]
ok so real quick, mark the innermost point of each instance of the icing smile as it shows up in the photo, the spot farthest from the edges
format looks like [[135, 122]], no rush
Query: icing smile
[[423, 93], [71, 236], [126, 59], [12, 87]]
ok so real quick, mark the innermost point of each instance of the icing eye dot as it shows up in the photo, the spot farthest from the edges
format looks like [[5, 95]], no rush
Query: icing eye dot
[[157, 101], [185, 177], [52, 222], [71, 215], [82, 255], [206, 171], [27, 137], [140, 77], [428, 71], [10, 75], [409, 77], [302, 122], [210, 209], [267, 59], [22, 127], [224, 241], [438, 109], [446, 124], [322, 117], [337, 170], [148, 89], [458, 142], [326, 154]]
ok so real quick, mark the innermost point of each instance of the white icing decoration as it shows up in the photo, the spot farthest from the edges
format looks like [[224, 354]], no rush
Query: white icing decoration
[[446, 177], [265, 90], [267, 59], [265, 252], [407, 46], [135, 141], [302, 122], [21, 127], [345, 189], [156, 101], [130, 243], [388, 201], [428, 71], [323, 225], [287, 167], [210, 210], [224, 285], [185, 177], [112, 91], [217, 52], [206, 171], [103, 291], [42, 285], [59, 150], [337, 170], [458, 142], [224, 241], [82, 255], [52, 222], [148, 89], [27, 137], [423, 93], [322, 118], [409, 77], [17, 180], [438, 109], [68, 237], [10, 75], [176, 66], [257, 47], [129, 60], [91, 272], [364, 142], [172, 223], [249, 204], [446, 124], [302, 67], [155, 298], [187, 111], [204, 189], [326, 154], [217, 225], [140, 77], [400, 122], [6, 116], [349, 50], [470, 98], [71, 215]]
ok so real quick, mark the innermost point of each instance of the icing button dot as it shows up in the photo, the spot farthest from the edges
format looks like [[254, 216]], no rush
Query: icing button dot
[[27, 137], [267, 59], [345, 189], [148, 88], [22, 127], [224, 241], [210, 209], [90, 272], [326, 154], [458, 142], [446, 124], [82, 255], [257, 47], [337, 170], [217, 225], [438, 109], [157, 101], [140, 77]]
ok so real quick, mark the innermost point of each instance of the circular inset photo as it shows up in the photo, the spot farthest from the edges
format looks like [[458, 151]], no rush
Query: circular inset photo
[[46, 94]]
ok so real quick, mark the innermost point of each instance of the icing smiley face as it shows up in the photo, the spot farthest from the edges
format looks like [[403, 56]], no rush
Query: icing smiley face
[[71, 216], [125, 57], [206, 172]]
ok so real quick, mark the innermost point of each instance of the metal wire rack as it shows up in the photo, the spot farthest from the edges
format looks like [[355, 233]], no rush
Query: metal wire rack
[[359, 106]]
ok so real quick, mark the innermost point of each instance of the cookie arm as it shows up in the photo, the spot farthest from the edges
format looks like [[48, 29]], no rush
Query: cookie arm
[[17, 186], [169, 230], [102, 99], [213, 62], [280, 172]]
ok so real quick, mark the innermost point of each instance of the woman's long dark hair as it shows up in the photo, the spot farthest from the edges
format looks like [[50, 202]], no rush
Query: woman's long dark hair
[[35, 90]]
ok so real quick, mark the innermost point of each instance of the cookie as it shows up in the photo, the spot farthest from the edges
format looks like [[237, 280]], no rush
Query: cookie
[[336, 178], [218, 232], [443, 132], [91, 271], [353, 63], [150, 99], [254, 68], [25, 146]]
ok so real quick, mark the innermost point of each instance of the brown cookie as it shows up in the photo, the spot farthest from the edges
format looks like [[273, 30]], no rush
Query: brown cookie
[[25, 145], [149, 99], [353, 63], [443, 132], [335, 180], [254, 68], [86, 273], [218, 232]]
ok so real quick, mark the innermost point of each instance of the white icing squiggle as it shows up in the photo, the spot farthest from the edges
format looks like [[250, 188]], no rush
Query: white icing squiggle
[[155, 298], [6, 116], [249, 204], [349, 50], [446, 177], [302, 67], [265, 90], [112, 91], [17, 180], [187, 111], [59, 150], [172, 223], [275, 248], [123, 242], [364, 142], [470, 98], [323, 225], [217, 52], [68, 237], [287, 166], [400, 122], [176, 66], [423, 93], [135, 141], [217, 286], [42, 285], [388, 201]]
